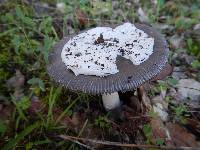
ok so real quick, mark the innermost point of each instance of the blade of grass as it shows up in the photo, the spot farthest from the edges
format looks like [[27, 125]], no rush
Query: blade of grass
[[41, 142], [20, 111], [82, 129], [8, 32], [51, 102], [13, 142], [66, 110]]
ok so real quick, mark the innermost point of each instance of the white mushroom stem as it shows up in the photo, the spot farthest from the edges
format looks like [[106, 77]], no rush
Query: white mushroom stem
[[111, 101]]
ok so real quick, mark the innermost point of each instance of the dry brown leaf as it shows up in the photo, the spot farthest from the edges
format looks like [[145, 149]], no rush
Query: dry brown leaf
[[181, 137], [78, 119], [81, 17], [17, 81], [36, 107], [193, 124], [159, 131]]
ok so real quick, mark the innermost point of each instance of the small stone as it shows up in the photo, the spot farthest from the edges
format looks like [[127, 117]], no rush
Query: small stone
[[61, 7], [197, 27], [158, 108], [142, 15], [115, 5], [178, 73], [160, 99], [182, 58], [185, 58], [70, 30], [189, 88]]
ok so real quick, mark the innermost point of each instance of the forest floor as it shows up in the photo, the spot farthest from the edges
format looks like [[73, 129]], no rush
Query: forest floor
[[37, 114]]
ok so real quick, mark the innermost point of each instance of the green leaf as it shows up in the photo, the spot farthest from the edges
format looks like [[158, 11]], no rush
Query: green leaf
[[163, 85], [19, 109], [46, 25], [160, 3], [37, 82], [29, 21], [179, 110], [24, 103], [41, 85], [196, 64], [16, 43], [19, 13], [9, 17], [147, 130], [159, 141], [84, 2], [33, 81], [172, 81], [152, 114], [13, 142], [47, 45]]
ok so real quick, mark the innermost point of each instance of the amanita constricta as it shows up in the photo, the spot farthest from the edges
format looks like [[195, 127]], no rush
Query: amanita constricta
[[106, 60]]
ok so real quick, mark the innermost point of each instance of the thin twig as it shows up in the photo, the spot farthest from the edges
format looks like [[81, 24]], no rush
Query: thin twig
[[75, 139], [79, 134], [79, 143], [138, 117]]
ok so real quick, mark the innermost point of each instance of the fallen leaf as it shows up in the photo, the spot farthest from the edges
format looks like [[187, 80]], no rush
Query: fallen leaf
[[180, 136], [81, 17], [159, 131], [193, 125], [78, 120], [17, 81], [36, 107], [176, 41]]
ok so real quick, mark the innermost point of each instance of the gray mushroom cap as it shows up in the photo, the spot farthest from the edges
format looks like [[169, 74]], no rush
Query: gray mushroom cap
[[129, 76]]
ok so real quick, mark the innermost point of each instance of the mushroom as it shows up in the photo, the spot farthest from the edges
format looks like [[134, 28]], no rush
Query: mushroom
[[137, 53]]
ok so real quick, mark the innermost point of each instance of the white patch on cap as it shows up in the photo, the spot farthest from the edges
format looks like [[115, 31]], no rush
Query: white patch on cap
[[84, 54]]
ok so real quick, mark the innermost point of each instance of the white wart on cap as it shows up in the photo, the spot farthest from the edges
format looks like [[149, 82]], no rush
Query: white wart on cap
[[84, 54]]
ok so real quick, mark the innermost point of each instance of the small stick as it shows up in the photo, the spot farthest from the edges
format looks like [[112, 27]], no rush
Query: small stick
[[140, 93], [81, 144], [76, 139]]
